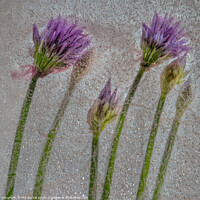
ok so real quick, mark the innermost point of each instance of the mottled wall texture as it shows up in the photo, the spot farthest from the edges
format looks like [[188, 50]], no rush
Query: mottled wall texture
[[115, 27]]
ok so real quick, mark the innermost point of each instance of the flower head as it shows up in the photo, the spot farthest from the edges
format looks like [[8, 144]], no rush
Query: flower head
[[173, 74], [163, 40], [104, 110], [185, 98], [59, 46]]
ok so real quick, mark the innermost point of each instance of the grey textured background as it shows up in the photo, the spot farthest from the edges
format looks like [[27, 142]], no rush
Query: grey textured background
[[115, 27]]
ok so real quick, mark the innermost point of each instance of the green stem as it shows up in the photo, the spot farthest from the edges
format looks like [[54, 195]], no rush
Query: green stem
[[37, 192], [118, 130], [18, 139], [147, 160], [166, 157], [94, 167]]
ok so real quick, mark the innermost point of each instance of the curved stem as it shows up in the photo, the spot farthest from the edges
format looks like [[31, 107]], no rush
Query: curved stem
[[165, 159], [94, 167], [118, 130], [18, 139], [147, 160], [37, 192]]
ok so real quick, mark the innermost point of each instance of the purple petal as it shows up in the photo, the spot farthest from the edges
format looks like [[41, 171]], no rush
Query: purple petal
[[36, 36], [158, 24], [106, 92], [154, 21], [114, 100]]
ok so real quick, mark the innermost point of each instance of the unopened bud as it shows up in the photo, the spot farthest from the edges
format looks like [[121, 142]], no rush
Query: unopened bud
[[173, 74], [104, 110], [185, 98], [82, 66]]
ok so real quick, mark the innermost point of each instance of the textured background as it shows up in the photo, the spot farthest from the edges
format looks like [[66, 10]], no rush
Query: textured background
[[115, 27]]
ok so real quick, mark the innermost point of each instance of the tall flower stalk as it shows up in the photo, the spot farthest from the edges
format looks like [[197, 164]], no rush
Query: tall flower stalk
[[40, 177], [172, 75], [18, 138], [163, 40], [59, 46], [183, 101], [79, 70], [104, 111]]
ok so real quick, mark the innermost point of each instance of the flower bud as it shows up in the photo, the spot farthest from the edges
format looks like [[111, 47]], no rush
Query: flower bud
[[185, 98], [173, 74], [82, 66], [104, 110]]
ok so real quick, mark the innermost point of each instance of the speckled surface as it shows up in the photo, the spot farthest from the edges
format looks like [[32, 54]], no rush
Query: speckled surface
[[115, 27]]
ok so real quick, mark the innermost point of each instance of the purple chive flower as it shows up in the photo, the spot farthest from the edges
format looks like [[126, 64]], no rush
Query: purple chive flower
[[163, 40], [104, 110], [59, 46]]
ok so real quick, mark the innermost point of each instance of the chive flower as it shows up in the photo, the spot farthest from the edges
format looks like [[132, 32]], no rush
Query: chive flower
[[59, 46], [164, 39], [104, 110]]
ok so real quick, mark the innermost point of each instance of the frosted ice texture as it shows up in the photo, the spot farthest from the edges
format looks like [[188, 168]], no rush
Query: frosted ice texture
[[116, 29]]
